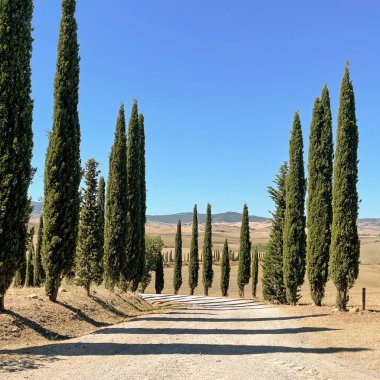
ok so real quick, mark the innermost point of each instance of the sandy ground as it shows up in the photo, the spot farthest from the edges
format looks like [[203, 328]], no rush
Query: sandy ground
[[207, 338]]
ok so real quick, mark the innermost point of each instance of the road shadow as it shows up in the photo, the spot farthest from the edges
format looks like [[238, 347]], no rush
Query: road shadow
[[84, 317], [44, 332], [105, 349], [224, 320], [184, 331]]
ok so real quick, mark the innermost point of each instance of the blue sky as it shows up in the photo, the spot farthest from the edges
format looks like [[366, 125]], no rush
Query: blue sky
[[218, 82]]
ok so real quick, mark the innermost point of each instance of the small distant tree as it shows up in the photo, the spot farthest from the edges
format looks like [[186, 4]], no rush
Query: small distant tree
[[153, 247], [88, 261], [38, 270], [225, 270], [20, 275], [177, 278], [194, 254], [255, 271], [244, 271], [159, 281], [208, 273]]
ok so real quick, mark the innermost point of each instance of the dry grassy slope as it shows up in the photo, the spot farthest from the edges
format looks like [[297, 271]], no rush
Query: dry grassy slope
[[32, 319]]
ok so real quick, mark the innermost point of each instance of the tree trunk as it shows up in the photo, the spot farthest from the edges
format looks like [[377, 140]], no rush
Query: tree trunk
[[88, 289], [191, 291], [206, 291], [2, 307]]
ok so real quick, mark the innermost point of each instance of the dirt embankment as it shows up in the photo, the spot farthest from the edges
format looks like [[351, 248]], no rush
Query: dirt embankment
[[32, 319]]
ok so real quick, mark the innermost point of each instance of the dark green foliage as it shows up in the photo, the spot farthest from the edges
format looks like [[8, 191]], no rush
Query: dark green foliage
[[208, 273], [159, 280], [225, 270], [16, 137], [273, 260], [62, 166], [29, 260], [101, 202], [319, 208], [244, 271], [294, 225], [194, 254], [116, 206], [345, 244], [177, 276], [153, 247], [255, 271], [132, 268], [38, 270], [88, 260], [21, 272]]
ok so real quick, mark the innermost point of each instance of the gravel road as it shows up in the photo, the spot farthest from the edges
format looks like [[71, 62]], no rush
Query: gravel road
[[206, 338]]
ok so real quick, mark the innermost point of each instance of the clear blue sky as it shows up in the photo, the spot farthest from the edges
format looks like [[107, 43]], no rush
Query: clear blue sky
[[218, 82]]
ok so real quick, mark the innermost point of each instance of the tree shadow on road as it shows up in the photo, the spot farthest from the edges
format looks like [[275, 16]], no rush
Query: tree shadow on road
[[180, 331], [225, 320]]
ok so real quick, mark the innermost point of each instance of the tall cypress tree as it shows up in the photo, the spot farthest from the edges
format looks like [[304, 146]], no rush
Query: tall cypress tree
[[177, 277], [101, 203], [345, 244], [319, 208], [159, 280], [38, 270], [244, 271], [88, 260], [208, 273], [131, 272], [225, 270], [255, 271], [142, 204], [294, 225], [16, 141], [62, 166], [273, 260], [194, 254], [116, 206]]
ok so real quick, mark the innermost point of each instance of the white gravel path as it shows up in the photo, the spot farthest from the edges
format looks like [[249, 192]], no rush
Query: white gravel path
[[208, 338]]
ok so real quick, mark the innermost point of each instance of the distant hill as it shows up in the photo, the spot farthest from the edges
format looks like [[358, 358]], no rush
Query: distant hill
[[230, 217], [187, 217]]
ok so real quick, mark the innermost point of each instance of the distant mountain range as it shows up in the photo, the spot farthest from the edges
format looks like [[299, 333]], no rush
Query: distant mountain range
[[187, 217]]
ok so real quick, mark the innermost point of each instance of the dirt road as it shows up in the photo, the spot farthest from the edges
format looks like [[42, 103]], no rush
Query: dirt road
[[207, 338]]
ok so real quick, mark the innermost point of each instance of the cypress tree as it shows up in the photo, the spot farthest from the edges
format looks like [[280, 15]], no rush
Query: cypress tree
[[255, 271], [225, 270], [244, 271], [194, 254], [16, 141], [319, 208], [88, 261], [38, 270], [177, 277], [294, 225], [116, 206], [142, 204], [345, 244], [29, 260], [101, 201], [273, 260], [62, 166], [159, 280], [131, 272], [208, 273]]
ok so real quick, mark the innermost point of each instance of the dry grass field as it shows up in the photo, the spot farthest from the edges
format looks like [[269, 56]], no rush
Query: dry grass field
[[369, 275]]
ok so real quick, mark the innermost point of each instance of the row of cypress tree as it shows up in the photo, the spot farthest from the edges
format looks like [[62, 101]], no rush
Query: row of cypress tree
[[332, 247], [244, 271]]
